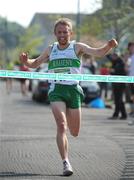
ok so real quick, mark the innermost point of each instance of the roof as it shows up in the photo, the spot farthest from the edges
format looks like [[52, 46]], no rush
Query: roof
[[46, 22]]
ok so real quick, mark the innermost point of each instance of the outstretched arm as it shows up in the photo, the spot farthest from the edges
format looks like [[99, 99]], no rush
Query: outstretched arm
[[34, 63], [82, 48]]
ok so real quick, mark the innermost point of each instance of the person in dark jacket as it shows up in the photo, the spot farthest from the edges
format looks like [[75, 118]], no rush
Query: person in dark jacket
[[118, 68]]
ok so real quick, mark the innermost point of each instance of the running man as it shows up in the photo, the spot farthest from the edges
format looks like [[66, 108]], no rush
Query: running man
[[66, 96]]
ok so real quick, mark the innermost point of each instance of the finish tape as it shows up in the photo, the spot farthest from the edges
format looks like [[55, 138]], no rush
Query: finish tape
[[61, 76]]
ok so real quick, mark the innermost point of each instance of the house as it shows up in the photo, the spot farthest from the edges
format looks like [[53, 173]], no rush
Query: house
[[46, 23]]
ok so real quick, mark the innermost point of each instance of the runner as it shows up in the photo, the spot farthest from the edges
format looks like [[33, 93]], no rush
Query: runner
[[66, 96], [24, 83]]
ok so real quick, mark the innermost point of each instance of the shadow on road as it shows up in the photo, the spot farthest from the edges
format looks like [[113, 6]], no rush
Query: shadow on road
[[14, 174]]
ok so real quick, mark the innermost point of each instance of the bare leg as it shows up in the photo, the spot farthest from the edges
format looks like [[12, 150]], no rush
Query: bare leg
[[59, 111], [74, 120], [9, 85], [24, 87]]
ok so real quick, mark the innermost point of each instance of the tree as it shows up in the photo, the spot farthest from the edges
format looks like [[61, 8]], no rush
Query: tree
[[91, 25], [115, 19], [29, 42], [118, 21], [9, 39], [10, 32]]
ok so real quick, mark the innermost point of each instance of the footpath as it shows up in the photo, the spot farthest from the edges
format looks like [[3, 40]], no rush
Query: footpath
[[104, 149]]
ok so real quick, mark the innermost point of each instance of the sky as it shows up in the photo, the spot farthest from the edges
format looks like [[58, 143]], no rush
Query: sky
[[22, 11]]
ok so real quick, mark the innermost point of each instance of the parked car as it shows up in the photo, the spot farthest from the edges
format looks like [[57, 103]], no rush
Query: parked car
[[40, 87], [91, 89]]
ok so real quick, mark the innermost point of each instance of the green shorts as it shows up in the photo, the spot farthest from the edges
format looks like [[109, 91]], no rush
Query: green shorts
[[72, 95]]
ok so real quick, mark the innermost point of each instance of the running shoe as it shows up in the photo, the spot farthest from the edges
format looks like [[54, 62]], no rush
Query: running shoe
[[67, 169]]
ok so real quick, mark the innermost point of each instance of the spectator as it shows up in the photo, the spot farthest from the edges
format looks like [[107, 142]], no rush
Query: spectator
[[104, 70], [10, 66], [90, 63], [127, 60], [118, 68], [24, 83], [131, 73]]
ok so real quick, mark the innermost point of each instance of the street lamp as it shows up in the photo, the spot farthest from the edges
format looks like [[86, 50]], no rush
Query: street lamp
[[6, 40], [78, 21]]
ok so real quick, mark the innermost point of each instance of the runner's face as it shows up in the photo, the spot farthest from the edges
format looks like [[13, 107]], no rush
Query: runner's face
[[63, 34]]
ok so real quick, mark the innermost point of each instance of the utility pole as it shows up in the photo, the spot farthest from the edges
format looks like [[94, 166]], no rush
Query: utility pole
[[6, 40], [78, 21]]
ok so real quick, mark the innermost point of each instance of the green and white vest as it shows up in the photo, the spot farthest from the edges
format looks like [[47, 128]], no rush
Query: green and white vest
[[64, 61]]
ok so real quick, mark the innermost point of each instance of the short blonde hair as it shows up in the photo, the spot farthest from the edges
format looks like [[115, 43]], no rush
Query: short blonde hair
[[63, 21]]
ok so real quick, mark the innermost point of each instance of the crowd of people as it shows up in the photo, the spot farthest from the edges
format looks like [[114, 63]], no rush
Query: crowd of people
[[24, 83], [118, 93], [121, 93]]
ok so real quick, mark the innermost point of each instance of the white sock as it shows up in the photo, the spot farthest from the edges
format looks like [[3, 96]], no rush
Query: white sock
[[67, 160]]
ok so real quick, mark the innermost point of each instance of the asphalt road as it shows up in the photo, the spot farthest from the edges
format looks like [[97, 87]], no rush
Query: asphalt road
[[104, 149]]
